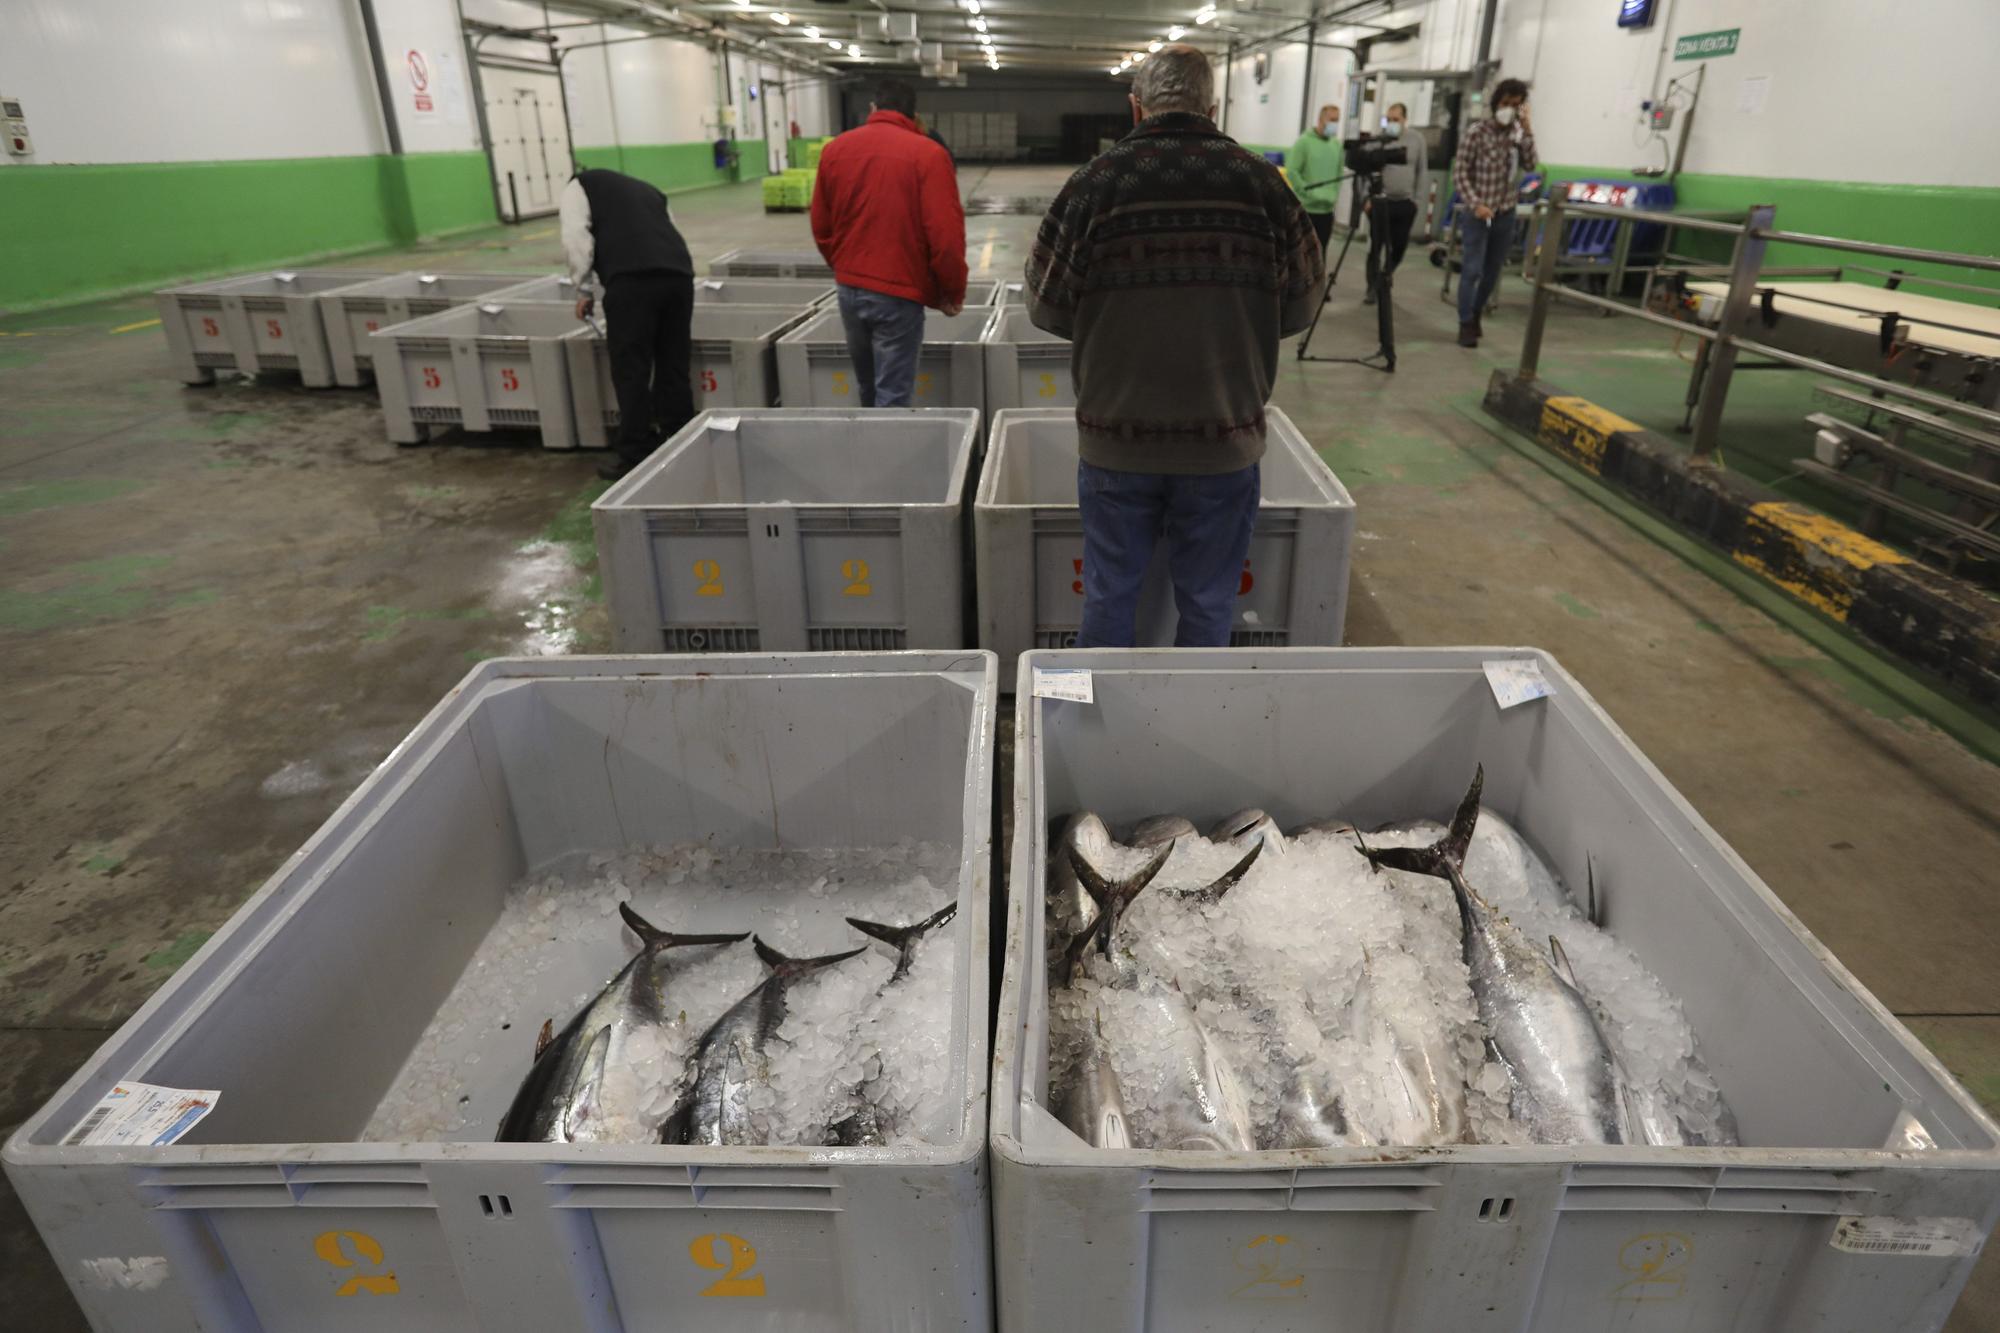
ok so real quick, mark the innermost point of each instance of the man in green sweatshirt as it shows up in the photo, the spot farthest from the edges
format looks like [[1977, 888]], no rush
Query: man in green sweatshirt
[[1314, 168]]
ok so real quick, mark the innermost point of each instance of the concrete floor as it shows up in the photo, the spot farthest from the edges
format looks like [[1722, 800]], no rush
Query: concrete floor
[[221, 607]]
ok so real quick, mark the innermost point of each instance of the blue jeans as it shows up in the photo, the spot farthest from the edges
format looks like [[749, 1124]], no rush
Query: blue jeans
[[884, 334], [1485, 251], [1207, 522]]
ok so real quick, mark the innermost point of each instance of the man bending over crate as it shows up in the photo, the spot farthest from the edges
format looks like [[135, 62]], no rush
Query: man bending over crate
[[620, 227], [1173, 263], [886, 216]]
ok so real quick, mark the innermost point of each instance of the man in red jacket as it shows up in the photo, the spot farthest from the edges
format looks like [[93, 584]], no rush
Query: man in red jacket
[[886, 215]]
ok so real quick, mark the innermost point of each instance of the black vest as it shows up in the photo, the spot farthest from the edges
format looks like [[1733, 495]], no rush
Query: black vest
[[630, 228]]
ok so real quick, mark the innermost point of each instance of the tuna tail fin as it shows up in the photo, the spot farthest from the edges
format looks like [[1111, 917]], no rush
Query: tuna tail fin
[[1212, 893], [655, 938], [1559, 957], [785, 966], [1444, 857], [1106, 892], [903, 939]]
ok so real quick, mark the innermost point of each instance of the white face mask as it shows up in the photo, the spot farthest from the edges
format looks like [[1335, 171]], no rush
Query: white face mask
[[1505, 115], [1392, 128]]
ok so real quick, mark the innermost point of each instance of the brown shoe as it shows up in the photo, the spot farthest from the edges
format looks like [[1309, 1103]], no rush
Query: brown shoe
[[1468, 335]]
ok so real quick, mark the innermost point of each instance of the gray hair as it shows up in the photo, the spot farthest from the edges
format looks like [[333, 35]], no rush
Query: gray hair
[[1175, 78]]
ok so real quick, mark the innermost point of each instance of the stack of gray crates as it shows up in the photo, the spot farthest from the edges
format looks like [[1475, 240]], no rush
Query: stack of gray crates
[[777, 531], [352, 313], [256, 322], [763, 291], [1867, 1179], [814, 369], [732, 362], [275, 1212], [748, 263], [1029, 542], [1025, 367], [495, 365]]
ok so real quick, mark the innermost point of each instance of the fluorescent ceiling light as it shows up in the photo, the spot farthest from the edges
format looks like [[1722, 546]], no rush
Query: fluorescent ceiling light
[[1153, 46], [1207, 14], [833, 42], [812, 32], [781, 17], [1176, 33], [979, 23]]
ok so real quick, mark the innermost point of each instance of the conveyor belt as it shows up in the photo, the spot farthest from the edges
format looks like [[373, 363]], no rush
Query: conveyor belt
[[1932, 321]]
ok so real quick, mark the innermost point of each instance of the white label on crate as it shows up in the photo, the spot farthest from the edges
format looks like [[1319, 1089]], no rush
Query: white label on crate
[[1924, 1237], [1516, 682], [141, 1274], [142, 1114], [722, 423], [1071, 685]]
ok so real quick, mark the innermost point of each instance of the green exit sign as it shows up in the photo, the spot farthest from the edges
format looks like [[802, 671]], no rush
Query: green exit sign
[[1706, 45]]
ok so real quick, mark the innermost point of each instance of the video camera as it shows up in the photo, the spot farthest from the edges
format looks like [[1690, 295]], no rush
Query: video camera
[[1367, 156]]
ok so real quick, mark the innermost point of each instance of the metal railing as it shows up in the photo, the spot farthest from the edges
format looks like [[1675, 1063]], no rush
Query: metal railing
[[1731, 336]]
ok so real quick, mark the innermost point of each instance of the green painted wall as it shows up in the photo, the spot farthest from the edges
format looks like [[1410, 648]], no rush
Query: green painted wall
[[1938, 217], [83, 231], [675, 167]]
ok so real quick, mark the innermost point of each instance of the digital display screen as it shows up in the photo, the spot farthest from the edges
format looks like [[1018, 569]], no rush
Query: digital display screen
[[12, 110], [1635, 13]]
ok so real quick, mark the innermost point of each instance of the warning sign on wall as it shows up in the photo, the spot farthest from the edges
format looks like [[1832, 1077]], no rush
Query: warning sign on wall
[[420, 81]]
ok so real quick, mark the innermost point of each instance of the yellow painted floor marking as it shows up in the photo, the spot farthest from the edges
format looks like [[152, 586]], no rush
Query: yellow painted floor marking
[[142, 324]]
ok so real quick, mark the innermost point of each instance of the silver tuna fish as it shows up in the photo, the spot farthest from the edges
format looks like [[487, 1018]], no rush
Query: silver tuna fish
[[1567, 1084], [863, 1125], [1093, 1105], [574, 1092], [732, 1059]]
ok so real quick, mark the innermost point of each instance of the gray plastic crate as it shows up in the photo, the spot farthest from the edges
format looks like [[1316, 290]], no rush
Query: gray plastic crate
[[271, 1215], [1009, 293], [749, 263], [792, 529], [352, 313], [1472, 1239], [1029, 543], [1025, 366], [732, 362], [491, 366], [814, 369], [550, 287], [763, 291], [258, 322]]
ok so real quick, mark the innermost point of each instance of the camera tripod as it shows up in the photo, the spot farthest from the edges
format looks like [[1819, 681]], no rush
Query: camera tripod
[[1383, 358]]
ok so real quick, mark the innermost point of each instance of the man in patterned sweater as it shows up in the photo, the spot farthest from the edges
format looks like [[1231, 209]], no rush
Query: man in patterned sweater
[[1173, 263]]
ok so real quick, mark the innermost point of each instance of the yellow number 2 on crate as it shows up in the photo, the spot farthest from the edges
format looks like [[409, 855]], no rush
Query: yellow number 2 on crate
[[856, 574], [356, 1249], [733, 1257], [840, 383], [707, 578]]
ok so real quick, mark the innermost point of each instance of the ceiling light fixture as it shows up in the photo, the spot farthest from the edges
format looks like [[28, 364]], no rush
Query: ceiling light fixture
[[812, 32], [1151, 47], [781, 18], [833, 42], [979, 23], [1206, 14], [1174, 34]]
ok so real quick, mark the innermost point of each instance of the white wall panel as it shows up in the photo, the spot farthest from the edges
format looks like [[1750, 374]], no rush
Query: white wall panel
[[421, 45], [190, 80], [1854, 93]]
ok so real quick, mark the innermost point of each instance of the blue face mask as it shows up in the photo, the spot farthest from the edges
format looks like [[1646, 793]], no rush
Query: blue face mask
[[1391, 128]]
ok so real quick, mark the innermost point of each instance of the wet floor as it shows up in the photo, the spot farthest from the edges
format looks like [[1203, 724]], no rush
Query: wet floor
[[221, 607]]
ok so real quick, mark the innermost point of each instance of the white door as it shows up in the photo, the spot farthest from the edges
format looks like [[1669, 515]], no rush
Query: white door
[[777, 131], [530, 139]]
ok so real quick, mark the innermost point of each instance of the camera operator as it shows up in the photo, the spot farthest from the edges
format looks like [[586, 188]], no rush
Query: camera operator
[[1393, 213]]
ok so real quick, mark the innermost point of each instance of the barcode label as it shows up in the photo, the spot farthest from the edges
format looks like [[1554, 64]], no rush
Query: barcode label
[[142, 1115], [90, 1122], [1930, 1237]]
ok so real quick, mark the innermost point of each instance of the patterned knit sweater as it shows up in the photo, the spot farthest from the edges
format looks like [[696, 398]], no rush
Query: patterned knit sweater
[[1174, 263]]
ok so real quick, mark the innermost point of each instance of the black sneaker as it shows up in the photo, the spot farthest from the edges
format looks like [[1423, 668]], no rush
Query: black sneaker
[[1468, 335], [1478, 327]]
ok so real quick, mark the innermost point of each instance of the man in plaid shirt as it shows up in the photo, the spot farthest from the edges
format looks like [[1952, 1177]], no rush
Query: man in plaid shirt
[[1485, 172]]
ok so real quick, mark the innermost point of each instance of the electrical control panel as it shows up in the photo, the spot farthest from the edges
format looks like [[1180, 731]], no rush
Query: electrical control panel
[[1660, 116], [14, 125]]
